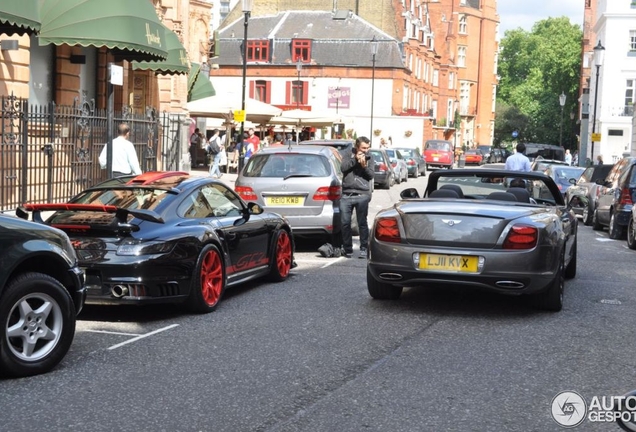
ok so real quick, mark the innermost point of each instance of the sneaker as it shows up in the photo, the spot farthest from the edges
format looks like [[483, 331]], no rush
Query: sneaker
[[347, 254], [363, 254]]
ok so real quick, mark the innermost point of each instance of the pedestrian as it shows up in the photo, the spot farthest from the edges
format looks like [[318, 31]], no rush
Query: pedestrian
[[214, 150], [254, 139], [575, 159], [599, 160], [278, 141], [249, 150], [241, 145], [125, 161], [196, 141], [289, 141], [357, 175], [518, 161], [568, 157], [383, 144]]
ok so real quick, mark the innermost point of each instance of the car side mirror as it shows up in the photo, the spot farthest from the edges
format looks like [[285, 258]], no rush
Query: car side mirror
[[600, 182], [254, 208], [409, 193], [572, 181]]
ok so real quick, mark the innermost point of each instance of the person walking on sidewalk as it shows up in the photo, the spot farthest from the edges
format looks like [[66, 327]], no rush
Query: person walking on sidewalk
[[357, 175], [214, 150], [125, 160]]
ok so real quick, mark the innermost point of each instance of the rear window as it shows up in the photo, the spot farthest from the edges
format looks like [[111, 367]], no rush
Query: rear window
[[568, 173], [131, 199], [284, 164], [407, 152], [437, 145]]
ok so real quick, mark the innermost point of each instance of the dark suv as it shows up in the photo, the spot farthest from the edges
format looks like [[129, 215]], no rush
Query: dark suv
[[615, 198], [41, 292]]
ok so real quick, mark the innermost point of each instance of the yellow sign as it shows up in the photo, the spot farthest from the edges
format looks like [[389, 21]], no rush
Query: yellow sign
[[596, 137], [239, 115]]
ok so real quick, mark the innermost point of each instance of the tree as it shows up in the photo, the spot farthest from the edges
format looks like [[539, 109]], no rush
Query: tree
[[534, 68]]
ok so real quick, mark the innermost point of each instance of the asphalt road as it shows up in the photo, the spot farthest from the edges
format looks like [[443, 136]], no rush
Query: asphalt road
[[316, 353]]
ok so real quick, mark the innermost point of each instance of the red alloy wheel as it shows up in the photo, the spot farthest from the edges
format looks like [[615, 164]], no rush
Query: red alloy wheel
[[211, 278], [283, 254]]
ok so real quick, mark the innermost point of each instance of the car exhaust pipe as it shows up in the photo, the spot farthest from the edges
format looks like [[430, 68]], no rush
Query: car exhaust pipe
[[391, 276], [119, 291], [509, 284]]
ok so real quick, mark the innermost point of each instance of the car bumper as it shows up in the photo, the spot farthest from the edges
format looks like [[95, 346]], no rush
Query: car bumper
[[506, 272], [382, 178], [78, 280]]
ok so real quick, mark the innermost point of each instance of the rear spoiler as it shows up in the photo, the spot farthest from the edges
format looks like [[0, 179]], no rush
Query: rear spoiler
[[121, 214]]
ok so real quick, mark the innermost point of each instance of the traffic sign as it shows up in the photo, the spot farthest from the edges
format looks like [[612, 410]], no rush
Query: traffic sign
[[239, 116], [596, 137], [515, 134]]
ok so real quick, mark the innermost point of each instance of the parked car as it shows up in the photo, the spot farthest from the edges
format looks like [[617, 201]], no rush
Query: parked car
[[41, 292], [472, 228], [384, 177], [542, 165], [438, 153], [302, 183], [564, 176], [169, 237], [414, 161], [546, 151], [398, 163], [474, 157], [582, 195], [616, 198], [342, 145], [498, 155], [485, 151]]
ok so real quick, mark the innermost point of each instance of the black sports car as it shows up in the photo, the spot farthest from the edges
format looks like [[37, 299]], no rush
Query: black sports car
[[169, 237]]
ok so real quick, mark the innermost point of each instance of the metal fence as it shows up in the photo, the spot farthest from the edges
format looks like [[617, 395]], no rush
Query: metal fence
[[49, 153]]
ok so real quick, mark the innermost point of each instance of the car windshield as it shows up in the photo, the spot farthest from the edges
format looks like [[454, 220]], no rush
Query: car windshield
[[482, 186], [286, 165]]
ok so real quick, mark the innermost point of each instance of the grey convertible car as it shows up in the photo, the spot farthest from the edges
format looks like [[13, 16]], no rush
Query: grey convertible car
[[476, 228]]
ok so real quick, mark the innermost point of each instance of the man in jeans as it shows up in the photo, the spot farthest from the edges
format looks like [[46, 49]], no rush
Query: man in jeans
[[357, 173]]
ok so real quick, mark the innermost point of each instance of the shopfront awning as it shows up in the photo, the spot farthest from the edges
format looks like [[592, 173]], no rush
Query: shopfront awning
[[176, 63], [19, 16], [130, 29], [199, 85]]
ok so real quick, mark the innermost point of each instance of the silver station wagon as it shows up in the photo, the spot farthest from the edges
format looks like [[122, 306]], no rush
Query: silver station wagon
[[303, 183]]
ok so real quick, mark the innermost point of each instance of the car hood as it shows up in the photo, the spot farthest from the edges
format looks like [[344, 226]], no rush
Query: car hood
[[463, 223]]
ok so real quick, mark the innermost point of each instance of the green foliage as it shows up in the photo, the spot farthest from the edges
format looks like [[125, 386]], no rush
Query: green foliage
[[535, 67]]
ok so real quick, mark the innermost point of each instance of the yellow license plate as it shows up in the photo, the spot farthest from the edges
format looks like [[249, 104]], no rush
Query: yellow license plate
[[451, 263], [285, 201]]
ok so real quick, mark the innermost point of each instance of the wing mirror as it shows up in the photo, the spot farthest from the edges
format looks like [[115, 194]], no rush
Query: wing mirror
[[409, 193], [254, 208], [572, 181]]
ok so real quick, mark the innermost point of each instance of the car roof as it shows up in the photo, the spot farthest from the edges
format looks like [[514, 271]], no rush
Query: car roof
[[296, 148]]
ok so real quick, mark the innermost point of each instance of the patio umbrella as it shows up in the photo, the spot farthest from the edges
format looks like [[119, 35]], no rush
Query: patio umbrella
[[222, 105], [298, 117]]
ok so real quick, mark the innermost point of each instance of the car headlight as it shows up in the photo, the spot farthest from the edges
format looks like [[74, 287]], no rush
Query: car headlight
[[146, 248]]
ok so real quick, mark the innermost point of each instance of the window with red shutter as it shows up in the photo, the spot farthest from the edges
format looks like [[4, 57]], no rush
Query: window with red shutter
[[301, 49]]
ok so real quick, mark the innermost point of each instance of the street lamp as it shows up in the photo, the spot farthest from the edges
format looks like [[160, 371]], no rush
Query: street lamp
[[562, 103], [247, 9], [299, 67], [599, 54], [374, 52]]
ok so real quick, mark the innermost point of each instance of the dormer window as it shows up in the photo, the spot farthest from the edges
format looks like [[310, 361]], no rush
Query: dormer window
[[301, 50], [258, 50]]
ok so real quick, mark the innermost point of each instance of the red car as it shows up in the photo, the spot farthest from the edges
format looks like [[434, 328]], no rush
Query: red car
[[438, 153], [473, 157]]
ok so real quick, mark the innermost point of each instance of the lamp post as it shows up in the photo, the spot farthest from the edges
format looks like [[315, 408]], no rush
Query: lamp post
[[599, 54], [247, 9], [562, 103], [374, 52], [299, 67]]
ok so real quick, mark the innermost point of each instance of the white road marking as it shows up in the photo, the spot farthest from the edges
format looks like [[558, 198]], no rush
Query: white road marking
[[603, 239], [135, 339], [112, 332], [334, 261]]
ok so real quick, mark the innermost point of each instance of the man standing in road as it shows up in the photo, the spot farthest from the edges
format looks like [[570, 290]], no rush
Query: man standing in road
[[254, 139], [357, 173], [518, 161], [125, 159]]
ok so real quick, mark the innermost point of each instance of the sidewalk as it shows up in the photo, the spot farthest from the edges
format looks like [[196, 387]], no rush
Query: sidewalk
[[229, 178]]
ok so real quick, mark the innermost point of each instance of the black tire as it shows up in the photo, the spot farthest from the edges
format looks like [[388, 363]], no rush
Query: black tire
[[588, 213], [615, 231], [552, 298], [282, 256], [53, 328], [596, 225], [417, 172], [208, 281], [380, 290], [570, 270], [398, 179], [631, 234]]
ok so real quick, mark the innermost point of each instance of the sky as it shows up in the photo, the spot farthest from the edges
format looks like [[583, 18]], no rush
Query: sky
[[523, 13]]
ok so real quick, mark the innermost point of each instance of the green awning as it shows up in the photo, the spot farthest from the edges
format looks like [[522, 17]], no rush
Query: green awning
[[130, 29], [19, 16], [177, 61], [199, 85]]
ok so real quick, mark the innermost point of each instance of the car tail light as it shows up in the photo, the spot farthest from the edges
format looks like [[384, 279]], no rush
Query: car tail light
[[382, 166], [394, 164], [626, 197], [411, 162], [246, 192], [330, 193], [386, 229], [521, 237]]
